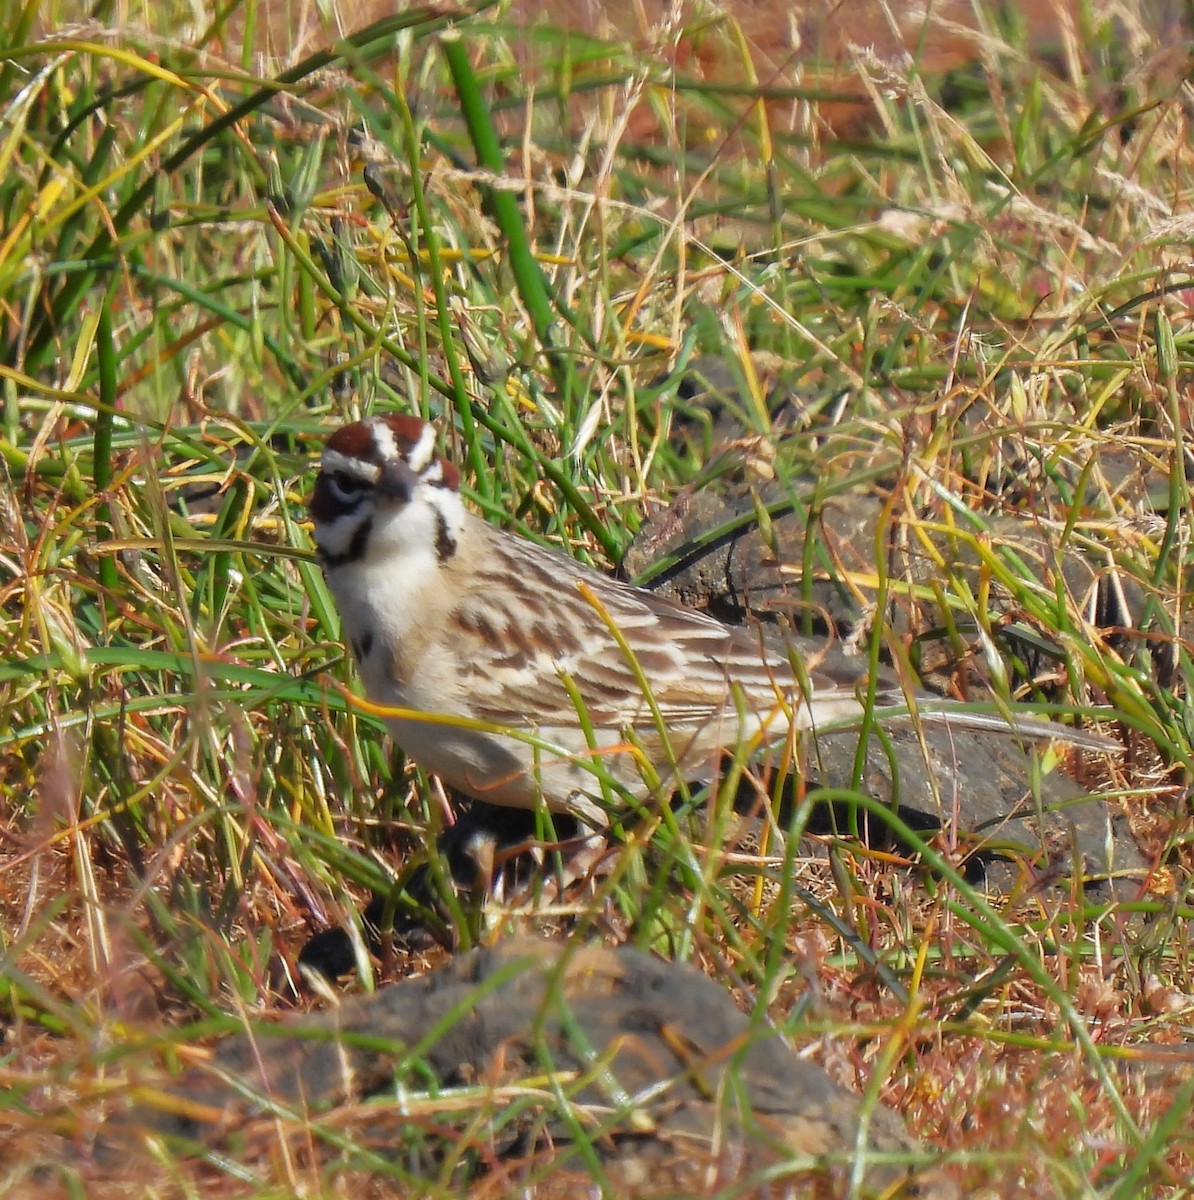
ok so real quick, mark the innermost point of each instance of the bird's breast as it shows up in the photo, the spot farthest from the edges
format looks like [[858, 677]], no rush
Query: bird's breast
[[389, 615]]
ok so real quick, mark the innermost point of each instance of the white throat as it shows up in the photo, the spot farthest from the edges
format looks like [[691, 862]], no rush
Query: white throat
[[384, 593]]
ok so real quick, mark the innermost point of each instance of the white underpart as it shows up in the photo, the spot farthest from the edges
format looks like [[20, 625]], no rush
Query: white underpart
[[390, 600], [385, 591]]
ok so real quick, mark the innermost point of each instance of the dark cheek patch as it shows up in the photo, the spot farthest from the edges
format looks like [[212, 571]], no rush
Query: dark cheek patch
[[323, 505]]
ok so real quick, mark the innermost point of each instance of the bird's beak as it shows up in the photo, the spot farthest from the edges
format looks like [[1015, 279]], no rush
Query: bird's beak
[[397, 480]]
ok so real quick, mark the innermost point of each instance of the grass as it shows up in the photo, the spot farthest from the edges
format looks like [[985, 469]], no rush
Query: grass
[[980, 295]]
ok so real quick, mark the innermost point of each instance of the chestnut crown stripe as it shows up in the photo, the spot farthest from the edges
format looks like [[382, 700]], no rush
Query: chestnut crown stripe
[[382, 438], [361, 451]]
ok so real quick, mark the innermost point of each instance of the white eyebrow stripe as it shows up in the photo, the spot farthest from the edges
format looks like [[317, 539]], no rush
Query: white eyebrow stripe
[[332, 461], [422, 452]]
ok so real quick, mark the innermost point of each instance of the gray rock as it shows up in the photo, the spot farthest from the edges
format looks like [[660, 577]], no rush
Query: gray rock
[[677, 1091]]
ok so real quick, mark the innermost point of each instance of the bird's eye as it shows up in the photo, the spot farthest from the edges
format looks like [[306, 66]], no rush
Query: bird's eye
[[345, 485]]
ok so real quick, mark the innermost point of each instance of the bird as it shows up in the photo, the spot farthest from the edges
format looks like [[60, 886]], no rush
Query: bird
[[522, 677]]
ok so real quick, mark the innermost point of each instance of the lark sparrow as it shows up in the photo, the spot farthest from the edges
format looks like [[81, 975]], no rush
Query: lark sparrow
[[517, 668]]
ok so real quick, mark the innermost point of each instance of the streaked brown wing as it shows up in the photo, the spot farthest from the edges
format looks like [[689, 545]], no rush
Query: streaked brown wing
[[534, 611]]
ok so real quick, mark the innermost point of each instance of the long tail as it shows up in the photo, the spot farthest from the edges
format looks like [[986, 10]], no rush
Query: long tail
[[842, 708], [1037, 729]]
